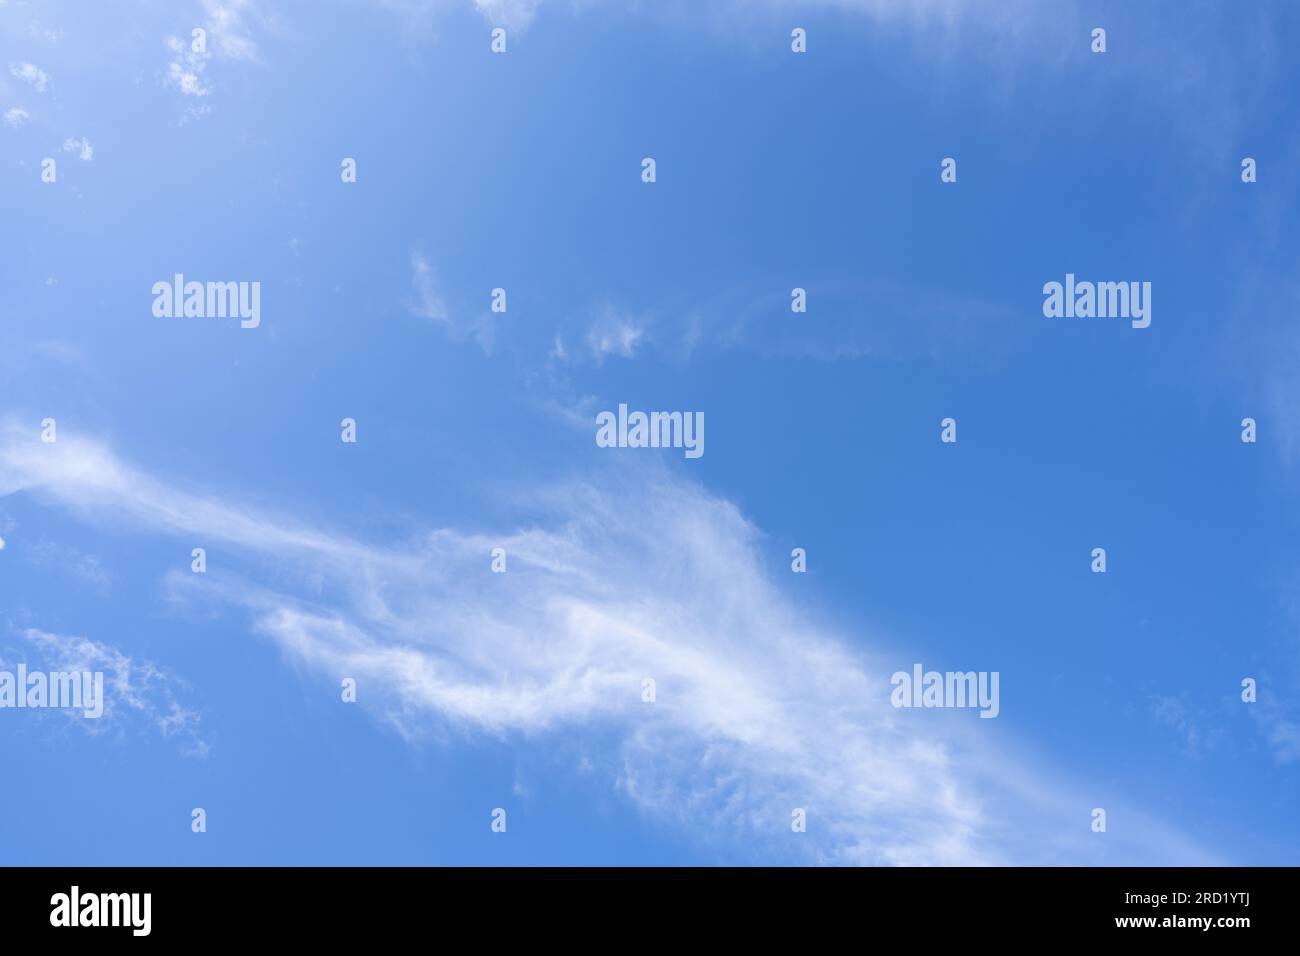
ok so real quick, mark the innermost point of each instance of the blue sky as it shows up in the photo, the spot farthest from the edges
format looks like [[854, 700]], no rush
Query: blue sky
[[522, 690]]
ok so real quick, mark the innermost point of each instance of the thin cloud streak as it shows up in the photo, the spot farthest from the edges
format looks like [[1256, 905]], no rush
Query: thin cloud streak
[[759, 709]]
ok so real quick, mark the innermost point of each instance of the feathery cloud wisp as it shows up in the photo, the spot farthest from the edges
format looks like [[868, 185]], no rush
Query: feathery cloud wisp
[[760, 709], [134, 690]]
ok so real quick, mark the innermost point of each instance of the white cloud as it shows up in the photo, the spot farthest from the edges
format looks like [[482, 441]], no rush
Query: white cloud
[[15, 117], [134, 690], [614, 333], [511, 14], [1282, 731], [228, 28], [517, 15], [228, 36], [81, 147], [761, 707], [428, 302], [30, 73], [514, 15], [1196, 729], [63, 559], [41, 32], [194, 113], [185, 69], [187, 81]]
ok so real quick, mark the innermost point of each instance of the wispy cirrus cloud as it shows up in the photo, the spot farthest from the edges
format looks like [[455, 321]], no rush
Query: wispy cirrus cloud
[[229, 26], [427, 302], [85, 569], [39, 31], [511, 14], [614, 332], [1279, 720], [760, 708], [136, 692]]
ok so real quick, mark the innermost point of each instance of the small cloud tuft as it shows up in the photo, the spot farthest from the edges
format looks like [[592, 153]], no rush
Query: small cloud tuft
[[30, 73], [81, 147]]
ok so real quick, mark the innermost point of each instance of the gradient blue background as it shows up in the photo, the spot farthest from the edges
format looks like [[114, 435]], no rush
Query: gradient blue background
[[774, 171]]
